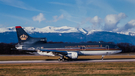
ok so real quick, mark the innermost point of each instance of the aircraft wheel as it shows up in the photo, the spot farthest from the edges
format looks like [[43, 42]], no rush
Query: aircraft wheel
[[59, 59], [63, 59]]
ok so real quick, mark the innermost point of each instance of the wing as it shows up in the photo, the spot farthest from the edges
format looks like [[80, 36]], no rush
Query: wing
[[27, 50], [43, 50], [55, 51]]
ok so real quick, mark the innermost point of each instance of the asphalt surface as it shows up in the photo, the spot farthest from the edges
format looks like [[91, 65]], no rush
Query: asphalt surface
[[75, 61]]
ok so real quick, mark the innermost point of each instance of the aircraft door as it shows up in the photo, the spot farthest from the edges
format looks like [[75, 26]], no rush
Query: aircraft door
[[107, 47]]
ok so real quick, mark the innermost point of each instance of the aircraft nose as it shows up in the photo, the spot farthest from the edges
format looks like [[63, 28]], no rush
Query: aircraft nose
[[120, 50]]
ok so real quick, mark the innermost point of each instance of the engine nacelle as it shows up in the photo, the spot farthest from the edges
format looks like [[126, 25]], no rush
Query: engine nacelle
[[72, 55]]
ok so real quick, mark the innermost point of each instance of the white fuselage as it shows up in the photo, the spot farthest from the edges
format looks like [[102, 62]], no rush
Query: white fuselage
[[80, 53]]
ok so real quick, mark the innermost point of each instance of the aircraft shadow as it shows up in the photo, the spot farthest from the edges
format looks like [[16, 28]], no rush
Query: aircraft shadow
[[72, 59], [88, 59]]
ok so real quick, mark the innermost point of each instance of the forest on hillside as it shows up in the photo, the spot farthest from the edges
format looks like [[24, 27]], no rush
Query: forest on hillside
[[5, 48]]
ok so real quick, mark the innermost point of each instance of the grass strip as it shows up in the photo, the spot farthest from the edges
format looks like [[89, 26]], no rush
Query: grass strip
[[69, 69]]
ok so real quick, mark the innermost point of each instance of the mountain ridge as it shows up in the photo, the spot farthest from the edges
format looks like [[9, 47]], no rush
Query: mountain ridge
[[67, 34], [63, 29]]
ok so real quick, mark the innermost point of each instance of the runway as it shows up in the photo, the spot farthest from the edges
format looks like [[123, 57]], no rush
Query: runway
[[75, 61]]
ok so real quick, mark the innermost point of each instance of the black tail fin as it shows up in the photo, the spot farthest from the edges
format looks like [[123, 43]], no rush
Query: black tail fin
[[21, 34]]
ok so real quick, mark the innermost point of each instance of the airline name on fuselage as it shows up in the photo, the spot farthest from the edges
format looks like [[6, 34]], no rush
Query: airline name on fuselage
[[83, 46]]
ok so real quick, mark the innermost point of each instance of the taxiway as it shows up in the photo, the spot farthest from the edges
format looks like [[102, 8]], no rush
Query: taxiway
[[75, 61]]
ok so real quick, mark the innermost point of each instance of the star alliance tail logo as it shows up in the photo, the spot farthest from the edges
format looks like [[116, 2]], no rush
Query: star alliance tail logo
[[23, 37]]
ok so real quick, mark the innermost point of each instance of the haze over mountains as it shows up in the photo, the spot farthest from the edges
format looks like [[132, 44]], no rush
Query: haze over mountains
[[68, 34]]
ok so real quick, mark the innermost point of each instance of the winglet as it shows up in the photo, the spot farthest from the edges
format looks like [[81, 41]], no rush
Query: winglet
[[18, 27]]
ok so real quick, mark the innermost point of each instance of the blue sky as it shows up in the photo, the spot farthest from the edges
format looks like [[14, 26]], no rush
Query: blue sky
[[108, 15]]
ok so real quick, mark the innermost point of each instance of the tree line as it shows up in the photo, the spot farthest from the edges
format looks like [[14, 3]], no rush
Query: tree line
[[5, 48]]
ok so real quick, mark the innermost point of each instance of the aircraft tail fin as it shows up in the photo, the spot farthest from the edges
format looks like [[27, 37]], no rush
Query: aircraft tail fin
[[21, 34]]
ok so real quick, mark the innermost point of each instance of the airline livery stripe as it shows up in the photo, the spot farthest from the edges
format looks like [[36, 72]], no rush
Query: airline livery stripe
[[85, 49]]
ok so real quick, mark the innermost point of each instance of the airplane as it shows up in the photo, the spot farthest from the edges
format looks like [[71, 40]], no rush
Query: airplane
[[40, 46]]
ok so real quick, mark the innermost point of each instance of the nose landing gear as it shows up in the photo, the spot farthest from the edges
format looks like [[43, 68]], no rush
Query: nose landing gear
[[102, 57]]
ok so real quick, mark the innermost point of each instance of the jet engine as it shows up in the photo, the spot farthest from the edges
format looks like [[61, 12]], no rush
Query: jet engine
[[72, 55]]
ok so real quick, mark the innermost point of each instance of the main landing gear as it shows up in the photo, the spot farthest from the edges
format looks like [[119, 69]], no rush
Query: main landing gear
[[61, 58]]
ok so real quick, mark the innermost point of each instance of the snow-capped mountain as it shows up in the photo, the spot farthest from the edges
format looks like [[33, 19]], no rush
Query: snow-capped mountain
[[68, 34], [127, 33], [63, 29], [8, 29], [48, 29]]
